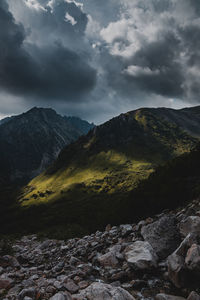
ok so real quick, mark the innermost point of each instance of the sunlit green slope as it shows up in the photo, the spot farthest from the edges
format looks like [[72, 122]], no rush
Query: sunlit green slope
[[111, 160]]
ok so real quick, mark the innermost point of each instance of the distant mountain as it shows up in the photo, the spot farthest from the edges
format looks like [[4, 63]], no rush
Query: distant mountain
[[32, 141], [93, 176]]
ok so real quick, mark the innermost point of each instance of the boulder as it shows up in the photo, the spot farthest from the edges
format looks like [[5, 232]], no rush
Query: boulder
[[101, 291], [29, 292], [190, 225], [190, 239], [71, 286], [140, 255], [193, 296], [6, 283], [108, 260], [184, 263], [163, 235], [192, 259], [61, 296], [176, 270], [168, 297]]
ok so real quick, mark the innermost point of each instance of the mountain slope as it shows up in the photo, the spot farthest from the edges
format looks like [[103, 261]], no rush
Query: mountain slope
[[114, 156], [31, 141], [94, 176], [96, 180], [170, 185]]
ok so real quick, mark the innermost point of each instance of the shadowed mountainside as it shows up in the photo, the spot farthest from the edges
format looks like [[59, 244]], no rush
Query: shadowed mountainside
[[92, 181], [30, 142]]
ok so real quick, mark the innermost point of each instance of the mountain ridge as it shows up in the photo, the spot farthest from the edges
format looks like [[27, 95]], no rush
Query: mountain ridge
[[93, 177], [29, 142]]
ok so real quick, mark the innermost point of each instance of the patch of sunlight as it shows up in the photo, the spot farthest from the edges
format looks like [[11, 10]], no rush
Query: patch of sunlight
[[108, 172]]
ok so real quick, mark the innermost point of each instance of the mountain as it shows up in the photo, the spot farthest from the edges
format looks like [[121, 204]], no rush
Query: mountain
[[170, 185], [32, 141], [90, 182]]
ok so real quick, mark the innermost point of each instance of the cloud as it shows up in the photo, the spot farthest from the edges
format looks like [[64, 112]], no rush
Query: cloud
[[154, 44], [98, 58], [43, 71]]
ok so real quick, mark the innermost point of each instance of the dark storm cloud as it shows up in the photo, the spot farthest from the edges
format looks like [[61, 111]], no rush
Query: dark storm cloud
[[165, 74], [156, 48], [99, 58], [48, 71]]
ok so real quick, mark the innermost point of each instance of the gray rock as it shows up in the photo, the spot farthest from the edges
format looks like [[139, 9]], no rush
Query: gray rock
[[31, 292], [108, 260], [176, 270], [61, 296], [193, 296], [9, 261], [101, 291], [163, 235], [168, 297], [192, 259], [71, 286], [140, 255], [190, 225], [126, 229], [5, 283]]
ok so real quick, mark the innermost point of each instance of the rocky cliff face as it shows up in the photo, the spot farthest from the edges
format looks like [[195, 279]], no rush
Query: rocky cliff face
[[157, 258], [31, 141]]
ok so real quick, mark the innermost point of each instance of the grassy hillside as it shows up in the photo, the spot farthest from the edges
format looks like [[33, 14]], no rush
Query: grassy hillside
[[113, 158], [93, 181]]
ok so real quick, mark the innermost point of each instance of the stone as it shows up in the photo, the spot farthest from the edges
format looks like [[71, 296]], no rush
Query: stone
[[176, 270], [5, 283], [126, 229], [71, 286], [190, 225], [9, 261], [61, 296], [192, 259], [168, 297], [189, 240], [163, 235], [31, 292], [83, 284], [108, 260], [101, 291], [140, 255], [193, 296]]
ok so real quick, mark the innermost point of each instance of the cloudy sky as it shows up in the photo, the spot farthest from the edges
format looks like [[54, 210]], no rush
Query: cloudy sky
[[98, 58]]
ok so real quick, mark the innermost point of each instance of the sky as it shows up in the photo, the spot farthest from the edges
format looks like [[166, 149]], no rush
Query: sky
[[98, 58]]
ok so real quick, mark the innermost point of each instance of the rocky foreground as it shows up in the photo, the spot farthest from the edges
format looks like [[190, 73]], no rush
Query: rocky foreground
[[158, 258]]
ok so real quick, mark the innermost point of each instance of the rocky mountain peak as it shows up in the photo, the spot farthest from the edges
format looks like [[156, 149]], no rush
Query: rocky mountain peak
[[31, 141]]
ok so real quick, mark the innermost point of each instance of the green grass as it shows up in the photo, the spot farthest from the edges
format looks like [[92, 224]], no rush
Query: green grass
[[107, 172]]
